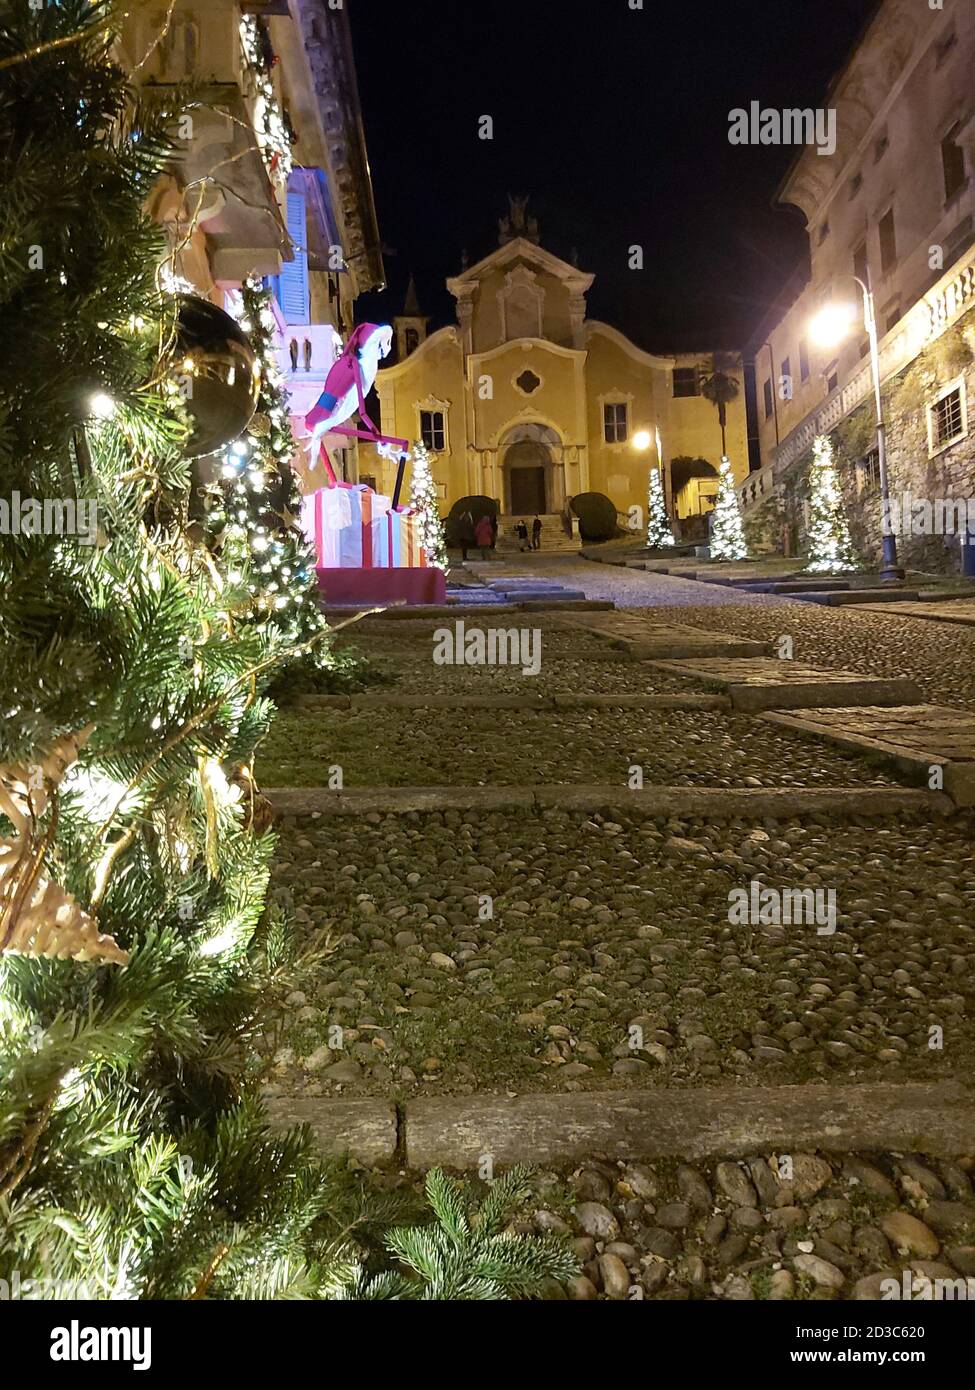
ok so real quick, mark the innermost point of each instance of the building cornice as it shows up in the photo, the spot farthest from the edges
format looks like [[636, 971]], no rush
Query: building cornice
[[397, 369], [649, 359], [326, 47], [578, 281]]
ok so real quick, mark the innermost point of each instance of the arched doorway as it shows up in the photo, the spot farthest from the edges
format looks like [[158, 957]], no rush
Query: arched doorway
[[532, 480]]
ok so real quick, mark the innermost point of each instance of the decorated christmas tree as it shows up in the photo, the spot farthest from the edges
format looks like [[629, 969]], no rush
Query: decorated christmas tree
[[423, 498], [727, 531], [254, 504], [138, 954], [658, 522], [830, 544]]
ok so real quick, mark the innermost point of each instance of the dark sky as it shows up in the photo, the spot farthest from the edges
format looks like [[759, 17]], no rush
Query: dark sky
[[616, 123]]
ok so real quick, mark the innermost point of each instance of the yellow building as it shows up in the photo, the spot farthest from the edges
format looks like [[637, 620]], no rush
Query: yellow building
[[530, 402]]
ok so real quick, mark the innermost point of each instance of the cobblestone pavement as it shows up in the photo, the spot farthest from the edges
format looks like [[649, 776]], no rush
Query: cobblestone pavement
[[772, 1226], [505, 747], [939, 656], [598, 928], [562, 951]]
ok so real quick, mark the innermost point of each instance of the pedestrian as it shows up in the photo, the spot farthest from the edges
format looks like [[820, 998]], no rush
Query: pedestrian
[[537, 533], [484, 536], [521, 531], [465, 533]]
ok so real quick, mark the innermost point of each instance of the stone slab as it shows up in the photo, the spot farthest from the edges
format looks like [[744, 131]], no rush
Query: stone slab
[[359, 801], [695, 1123], [912, 738], [792, 586], [755, 803], [533, 702], [649, 641], [767, 683], [364, 1129], [854, 596], [957, 610], [709, 803]]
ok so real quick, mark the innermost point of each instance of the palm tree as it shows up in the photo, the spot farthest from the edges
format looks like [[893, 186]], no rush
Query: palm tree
[[721, 388]]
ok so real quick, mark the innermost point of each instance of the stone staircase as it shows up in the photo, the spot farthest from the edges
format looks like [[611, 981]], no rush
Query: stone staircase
[[554, 536]]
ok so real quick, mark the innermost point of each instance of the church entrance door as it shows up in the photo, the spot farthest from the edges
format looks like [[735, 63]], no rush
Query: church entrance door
[[527, 491]]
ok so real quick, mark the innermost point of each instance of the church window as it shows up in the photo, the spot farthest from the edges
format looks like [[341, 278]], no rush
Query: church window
[[412, 340], [433, 430], [614, 423], [686, 381], [528, 381]]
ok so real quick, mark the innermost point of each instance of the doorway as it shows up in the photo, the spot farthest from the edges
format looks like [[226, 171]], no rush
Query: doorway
[[527, 464], [528, 490]]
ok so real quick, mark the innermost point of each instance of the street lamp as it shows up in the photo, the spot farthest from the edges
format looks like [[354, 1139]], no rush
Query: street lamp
[[829, 327], [641, 440]]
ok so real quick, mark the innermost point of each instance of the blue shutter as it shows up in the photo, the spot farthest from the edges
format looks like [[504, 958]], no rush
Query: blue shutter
[[293, 281]]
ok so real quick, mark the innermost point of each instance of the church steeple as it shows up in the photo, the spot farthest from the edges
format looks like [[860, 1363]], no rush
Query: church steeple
[[411, 325]]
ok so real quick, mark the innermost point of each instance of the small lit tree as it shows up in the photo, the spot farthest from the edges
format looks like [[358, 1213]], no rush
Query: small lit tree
[[658, 522], [830, 544], [423, 498], [727, 531], [253, 507]]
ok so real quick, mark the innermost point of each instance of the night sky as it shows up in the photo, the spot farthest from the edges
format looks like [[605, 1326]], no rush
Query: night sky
[[616, 123]]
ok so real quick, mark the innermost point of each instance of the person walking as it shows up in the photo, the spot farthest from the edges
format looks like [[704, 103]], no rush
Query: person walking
[[537, 533], [484, 536], [521, 531], [465, 533]]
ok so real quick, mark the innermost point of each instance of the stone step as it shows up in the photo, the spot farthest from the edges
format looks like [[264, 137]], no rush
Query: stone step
[[793, 586], [768, 683], [915, 739], [960, 611], [704, 803], [835, 599]]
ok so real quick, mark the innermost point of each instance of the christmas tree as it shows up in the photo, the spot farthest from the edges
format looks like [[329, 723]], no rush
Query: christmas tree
[[254, 504], [830, 544], [138, 954], [727, 531], [658, 522], [423, 498]]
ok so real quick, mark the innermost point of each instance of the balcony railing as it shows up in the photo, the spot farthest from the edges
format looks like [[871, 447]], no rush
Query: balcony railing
[[923, 324]]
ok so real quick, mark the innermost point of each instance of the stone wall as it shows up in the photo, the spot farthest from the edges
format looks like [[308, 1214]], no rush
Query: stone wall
[[912, 469]]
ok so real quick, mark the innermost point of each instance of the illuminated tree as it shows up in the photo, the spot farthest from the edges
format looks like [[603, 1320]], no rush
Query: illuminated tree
[[830, 544], [658, 522], [423, 498], [727, 531]]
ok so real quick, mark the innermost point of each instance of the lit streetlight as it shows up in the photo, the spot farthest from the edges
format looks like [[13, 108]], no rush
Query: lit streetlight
[[642, 440], [829, 327]]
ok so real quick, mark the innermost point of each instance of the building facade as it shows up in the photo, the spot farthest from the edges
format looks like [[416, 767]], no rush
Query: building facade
[[271, 175], [894, 206], [528, 401]]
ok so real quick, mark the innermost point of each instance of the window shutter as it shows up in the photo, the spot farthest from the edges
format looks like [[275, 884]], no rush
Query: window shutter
[[293, 280]]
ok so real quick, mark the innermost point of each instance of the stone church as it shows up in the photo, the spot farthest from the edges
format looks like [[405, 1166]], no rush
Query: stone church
[[528, 400]]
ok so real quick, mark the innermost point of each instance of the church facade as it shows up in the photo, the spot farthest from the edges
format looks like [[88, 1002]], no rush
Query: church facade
[[527, 400]]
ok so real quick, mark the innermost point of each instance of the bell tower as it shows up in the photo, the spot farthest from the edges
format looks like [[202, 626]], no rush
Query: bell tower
[[411, 325]]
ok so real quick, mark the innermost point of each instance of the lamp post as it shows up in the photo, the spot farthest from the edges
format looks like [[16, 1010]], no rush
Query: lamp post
[[828, 328]]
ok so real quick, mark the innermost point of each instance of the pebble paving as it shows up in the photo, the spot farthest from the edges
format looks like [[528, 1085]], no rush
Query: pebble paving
[[601, 927], [503, 747], [561, 951]]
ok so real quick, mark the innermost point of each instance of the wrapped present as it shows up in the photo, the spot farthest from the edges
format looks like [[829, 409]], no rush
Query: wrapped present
[[406, 550], [325, 516], [375, 532]]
